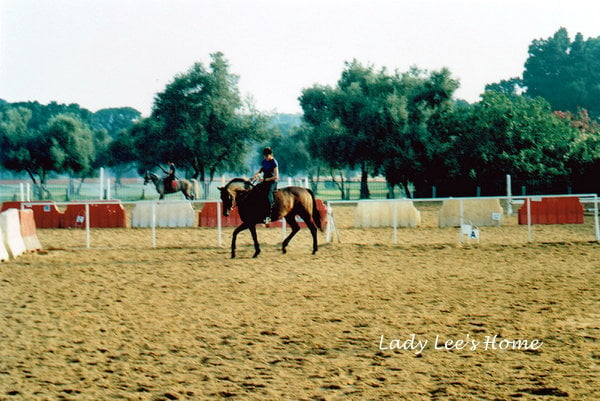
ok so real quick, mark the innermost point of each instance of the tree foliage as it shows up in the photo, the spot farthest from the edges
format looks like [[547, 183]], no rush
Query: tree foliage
[[378, 121], [512, 135], [566, 73], [114, 120], [64, 145], [199, 122]]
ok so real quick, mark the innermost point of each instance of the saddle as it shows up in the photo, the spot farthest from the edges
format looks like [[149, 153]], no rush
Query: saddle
[[172, 186]]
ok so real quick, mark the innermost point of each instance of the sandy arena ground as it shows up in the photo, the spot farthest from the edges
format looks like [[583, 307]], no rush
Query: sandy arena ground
[[363, 319]]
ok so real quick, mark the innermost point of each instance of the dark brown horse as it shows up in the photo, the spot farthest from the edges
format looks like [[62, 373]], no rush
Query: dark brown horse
[[253, 206]]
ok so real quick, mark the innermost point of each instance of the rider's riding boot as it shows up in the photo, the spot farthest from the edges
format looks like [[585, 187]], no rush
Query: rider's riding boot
[[269, 215]]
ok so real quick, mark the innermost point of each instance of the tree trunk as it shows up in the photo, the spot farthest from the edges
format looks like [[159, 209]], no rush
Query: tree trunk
[[38, 188], [391, 194], [340, 184], [364, 185], [406, 190], [314, 184]]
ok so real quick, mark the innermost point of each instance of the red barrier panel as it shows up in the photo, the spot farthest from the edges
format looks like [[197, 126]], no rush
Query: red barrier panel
[[103, 214], [208, 216], [26, 218], [558, 210], [45, 215], [10, 205]]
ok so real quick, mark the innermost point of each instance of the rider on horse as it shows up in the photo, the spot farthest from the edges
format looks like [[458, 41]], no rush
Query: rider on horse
[[270, 169], [169, 178]]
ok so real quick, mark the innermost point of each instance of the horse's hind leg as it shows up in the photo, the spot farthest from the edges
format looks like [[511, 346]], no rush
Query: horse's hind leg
[[291, 220], [313, 230]]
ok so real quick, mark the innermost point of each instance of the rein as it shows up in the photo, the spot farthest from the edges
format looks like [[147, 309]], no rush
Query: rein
[[242, 197]]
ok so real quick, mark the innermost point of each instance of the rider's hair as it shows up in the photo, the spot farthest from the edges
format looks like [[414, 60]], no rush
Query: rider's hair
[[267, 151]]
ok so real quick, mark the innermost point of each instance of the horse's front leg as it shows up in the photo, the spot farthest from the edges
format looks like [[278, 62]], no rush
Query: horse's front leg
[[242, 227], [252, 228]]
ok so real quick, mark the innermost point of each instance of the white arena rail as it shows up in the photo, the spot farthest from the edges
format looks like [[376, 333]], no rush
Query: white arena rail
[[331, 229], [461, 219]]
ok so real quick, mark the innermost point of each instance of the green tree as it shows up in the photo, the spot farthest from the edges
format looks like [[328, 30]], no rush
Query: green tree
[[510, 87], [345, 119], [114, 120], [41, 114], [566, 73], [199, 122], [328, 142], [413, 150], [513, 135], [583, 158], [63, 145], [379, 122]]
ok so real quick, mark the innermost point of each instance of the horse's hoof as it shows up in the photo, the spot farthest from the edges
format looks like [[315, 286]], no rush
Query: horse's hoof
[[256, 254], [283, 250]]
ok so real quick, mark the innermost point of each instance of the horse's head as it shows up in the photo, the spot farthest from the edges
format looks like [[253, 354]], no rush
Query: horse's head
[[228, 199], [230, 192]]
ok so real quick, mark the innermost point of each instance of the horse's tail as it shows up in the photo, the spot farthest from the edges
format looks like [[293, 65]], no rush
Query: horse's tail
[[316, 214]]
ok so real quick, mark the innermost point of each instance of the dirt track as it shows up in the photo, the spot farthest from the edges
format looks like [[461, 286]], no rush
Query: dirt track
[[183, 321]]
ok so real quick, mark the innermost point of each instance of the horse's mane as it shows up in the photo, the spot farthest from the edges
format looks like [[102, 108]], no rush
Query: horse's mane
[[247, 184]]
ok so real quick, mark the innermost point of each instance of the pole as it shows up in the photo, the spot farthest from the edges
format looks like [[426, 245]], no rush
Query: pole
[[153, 225], [596, 218], [87, 225], [460, 213], [329, 217], [108, 195], [529, 239], [219, 230], [101, 183], [509, 195], [395, 216]]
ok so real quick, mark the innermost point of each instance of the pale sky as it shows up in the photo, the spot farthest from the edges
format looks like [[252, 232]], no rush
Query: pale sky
[[116, 53]]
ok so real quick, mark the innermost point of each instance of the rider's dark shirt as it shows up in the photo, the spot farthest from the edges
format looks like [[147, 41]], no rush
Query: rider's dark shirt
[[268, 167]]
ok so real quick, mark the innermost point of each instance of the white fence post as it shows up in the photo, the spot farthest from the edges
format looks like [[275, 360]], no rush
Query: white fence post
[[395, 217], [219, 229], [101, 183], [108, 194], [597, 228], [154, 225], [328, 228], [528, 219], [87, 225], [509, 210]]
